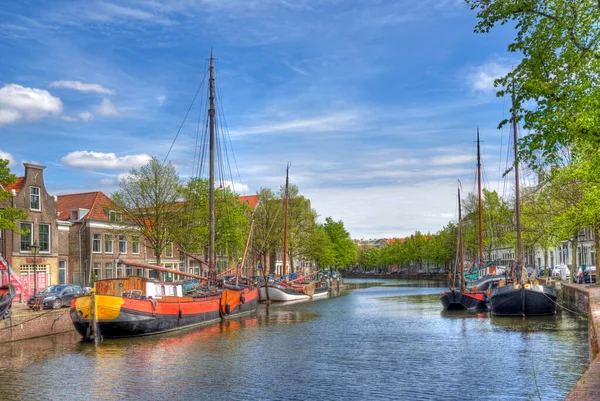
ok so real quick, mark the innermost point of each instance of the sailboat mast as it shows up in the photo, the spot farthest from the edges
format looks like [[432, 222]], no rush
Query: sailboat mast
[[480, 202], [461, 256], [211, 114], [285, 225], [517, 186]]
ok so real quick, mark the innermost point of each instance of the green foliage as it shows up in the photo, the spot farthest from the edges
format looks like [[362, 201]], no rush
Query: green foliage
[[301, 223], [9, 215], [231, 220], [268, 224], [557, 76], [319, 247], [148, 198], [345, 251], [498, 224]]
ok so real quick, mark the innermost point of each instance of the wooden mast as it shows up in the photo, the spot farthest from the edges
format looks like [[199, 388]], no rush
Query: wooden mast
[[480, 201], [517, 189], [211, 114], [461, 256], [285, 225]]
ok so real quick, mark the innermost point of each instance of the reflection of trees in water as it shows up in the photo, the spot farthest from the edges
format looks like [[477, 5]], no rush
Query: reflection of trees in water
[[276, 314]]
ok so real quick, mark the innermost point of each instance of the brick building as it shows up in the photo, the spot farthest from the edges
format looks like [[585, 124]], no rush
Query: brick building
[[41, 231], [97, 236]]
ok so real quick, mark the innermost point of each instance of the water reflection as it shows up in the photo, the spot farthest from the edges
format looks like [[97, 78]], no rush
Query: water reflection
[[375, 342]]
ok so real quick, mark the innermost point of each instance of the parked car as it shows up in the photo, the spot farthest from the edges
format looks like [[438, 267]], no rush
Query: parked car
[[55, 296], [585, 274], [557, 271]]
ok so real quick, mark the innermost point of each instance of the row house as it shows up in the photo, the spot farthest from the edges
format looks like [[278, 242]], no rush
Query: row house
[[77, 238], [37, 254], [97, 237]]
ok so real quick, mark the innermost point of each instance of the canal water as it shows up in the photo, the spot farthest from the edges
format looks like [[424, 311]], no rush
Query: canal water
[[380, 340]]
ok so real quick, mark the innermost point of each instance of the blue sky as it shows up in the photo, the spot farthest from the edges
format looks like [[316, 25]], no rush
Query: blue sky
[[374, 102]]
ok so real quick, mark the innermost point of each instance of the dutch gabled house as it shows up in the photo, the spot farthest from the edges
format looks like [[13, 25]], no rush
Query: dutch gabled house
[[40, 230]]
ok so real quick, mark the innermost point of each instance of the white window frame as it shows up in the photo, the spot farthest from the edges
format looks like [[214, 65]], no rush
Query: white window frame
[[135, 240], [49, 237], [108, 267], [114, 216], [111, 242], [124, 242], [39, 198], [97, 239], [30, 236], [168, 247], [97, 268]]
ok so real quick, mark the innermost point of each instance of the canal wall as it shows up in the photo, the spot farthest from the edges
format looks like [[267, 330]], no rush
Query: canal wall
[[424, 276], [25, 324], [586, 299]]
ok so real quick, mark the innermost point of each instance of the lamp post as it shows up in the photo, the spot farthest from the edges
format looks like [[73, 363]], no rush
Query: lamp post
[[34, 248]]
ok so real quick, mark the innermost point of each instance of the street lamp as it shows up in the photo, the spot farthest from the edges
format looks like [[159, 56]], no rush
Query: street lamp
[[35, 248]]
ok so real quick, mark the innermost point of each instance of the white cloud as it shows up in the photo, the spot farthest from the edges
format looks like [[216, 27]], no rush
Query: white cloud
[[482, 77], [161, 100], [332, 122], [85, 116], [86, 160], [82, 87], [107, 181], [9, 157], [450, 160], [107, 108], [19, 103]]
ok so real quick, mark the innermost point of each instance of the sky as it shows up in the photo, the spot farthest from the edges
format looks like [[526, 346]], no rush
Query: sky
[[375, 103]]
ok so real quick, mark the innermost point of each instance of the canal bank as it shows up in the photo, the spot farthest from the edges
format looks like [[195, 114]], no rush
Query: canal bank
[[586, 299], [25, 324]]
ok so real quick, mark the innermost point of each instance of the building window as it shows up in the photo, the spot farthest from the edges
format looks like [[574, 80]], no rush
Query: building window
[[108, 270], [169, 250], [122, 244], [96, 242], [62, 272], [44, 237], [135, 245], [27, 238], [119, 272], [139, 272], [97, 271], [129, 271], [115, 216], [34, 198], [108, 243]]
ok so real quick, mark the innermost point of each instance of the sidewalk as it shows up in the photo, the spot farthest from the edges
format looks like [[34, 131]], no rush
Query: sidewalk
[[588, 386]]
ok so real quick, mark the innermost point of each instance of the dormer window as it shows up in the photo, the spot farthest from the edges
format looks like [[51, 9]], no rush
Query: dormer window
[[115, 216], [34, 198]]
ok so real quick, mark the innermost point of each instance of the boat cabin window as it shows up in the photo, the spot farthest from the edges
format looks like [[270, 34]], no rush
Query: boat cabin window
[[162, 290]]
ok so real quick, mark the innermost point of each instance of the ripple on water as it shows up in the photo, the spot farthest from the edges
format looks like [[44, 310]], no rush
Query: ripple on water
[[374, 342]]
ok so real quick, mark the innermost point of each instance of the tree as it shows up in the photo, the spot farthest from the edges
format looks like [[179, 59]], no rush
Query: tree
[[9, 215], [345, 251], [231, 220], [498, 224], [319, 247], [268, 227], [148, 199], [301, 221], [559, 42]]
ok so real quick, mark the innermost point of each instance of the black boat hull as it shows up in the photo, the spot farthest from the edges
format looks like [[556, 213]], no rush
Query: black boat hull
[[528, 300], [457, 300]]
